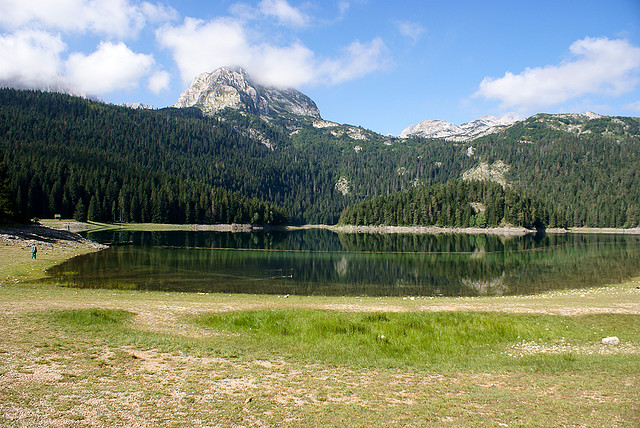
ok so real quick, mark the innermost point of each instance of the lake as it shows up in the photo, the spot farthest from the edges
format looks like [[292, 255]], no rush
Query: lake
[[322, 262]]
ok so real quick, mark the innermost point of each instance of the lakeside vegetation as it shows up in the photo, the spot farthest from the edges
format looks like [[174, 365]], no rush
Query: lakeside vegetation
[[456, 203]]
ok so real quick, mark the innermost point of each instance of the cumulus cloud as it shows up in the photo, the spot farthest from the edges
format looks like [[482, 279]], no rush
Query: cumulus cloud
[[198, 46], [31, 59], [411, 30], [596, 66], [111, 18], [159, 81], [359, 59], [111, 67], [284, 12], [37, 61]]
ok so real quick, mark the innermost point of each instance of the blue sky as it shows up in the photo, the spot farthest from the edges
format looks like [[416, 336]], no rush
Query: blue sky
[[378, 64]]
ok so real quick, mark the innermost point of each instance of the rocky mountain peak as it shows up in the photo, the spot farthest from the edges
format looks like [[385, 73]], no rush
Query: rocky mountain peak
[[467, 131], [233, 88]]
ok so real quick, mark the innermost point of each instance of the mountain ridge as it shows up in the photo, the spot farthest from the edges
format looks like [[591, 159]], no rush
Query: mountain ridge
[[441, 129], [64, 152]]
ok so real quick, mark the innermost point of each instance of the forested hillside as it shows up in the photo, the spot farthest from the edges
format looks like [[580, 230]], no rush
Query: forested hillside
[[71, 156], [83, 159], [457, 203], [587, 171], [64, 151]]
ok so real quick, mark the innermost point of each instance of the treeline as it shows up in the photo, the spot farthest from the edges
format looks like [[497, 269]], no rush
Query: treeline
[[457, 203], [8, 210], [114, 194], [222, 152], [589, 178]]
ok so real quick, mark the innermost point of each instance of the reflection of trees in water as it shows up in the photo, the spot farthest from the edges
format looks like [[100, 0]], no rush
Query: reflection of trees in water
[[476, 265], [303, 240]]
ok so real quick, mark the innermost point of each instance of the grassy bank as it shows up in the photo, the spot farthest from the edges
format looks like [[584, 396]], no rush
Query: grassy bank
[[83, 357], [102, 357]]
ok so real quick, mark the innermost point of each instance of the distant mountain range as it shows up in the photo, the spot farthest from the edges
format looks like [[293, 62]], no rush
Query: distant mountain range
[[229, 132], [233, 88], [467, 131]]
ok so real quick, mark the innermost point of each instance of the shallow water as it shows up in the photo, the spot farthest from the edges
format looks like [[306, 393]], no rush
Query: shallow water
[[321, 262]]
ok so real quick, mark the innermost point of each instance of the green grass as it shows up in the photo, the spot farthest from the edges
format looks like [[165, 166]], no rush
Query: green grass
[[90, 319], [294, 365], [443, 340], [437, 341]]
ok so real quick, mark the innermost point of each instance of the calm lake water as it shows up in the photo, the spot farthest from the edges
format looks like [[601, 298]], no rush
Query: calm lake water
[[321, 262]]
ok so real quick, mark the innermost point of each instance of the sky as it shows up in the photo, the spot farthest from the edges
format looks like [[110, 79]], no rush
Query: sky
[[378, 64]]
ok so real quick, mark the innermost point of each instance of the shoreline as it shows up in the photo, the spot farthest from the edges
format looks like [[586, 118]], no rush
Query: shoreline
[[73, 226], [54, 246]]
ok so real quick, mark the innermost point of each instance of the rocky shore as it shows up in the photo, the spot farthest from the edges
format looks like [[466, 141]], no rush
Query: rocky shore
[[45, 237], [509, 231]]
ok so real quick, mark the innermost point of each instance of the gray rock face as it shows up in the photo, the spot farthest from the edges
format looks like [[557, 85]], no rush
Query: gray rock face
[[467, 131], [226, 87]]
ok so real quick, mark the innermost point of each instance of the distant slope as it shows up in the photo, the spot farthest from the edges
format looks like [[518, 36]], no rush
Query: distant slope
[[467, 131], [584, 169], [457, 203], [41, 132]]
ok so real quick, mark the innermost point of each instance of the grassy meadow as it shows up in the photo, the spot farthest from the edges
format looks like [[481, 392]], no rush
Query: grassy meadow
[[83, 357]]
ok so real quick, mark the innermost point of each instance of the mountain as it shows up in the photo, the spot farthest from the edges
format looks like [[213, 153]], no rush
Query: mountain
[[64, 152], [233, 88], [467, 131], [136, 105]]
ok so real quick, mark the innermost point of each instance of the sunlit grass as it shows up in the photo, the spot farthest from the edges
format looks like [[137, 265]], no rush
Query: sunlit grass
[[90, 318], [442, 339]]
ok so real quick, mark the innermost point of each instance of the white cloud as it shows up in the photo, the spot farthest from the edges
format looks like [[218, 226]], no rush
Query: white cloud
[[36, 61], [597, 66], [111, 18], [111, 67], [30, 59], [343, 7], [199, 47], [289, 66], [159, 81], [284, 12], [411, 30], [158, 13], [359, 60]]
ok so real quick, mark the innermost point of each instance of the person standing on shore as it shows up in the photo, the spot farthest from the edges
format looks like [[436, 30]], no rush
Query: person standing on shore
[[34, 251]]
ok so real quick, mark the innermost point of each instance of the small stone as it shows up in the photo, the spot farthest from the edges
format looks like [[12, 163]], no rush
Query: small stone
[[613, 340]]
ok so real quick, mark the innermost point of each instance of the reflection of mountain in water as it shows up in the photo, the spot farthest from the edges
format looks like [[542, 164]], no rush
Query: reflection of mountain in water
[[494, 287], [342, 266], [375, 265]]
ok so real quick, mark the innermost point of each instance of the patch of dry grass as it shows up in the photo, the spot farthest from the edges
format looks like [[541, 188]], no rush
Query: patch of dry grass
[[167, 371], [156, 368]]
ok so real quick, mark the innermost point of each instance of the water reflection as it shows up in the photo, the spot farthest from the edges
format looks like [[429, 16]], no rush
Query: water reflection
[[320, 262]]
